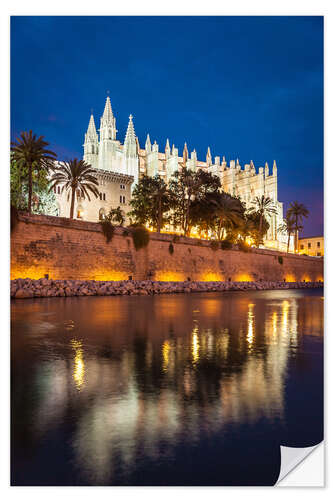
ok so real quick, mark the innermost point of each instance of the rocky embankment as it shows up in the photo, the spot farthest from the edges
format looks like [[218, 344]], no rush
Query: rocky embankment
[[28, 288]]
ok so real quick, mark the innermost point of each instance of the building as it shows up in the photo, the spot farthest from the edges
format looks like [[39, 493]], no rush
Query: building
[[313, 245], [116, 168], [119, 165]]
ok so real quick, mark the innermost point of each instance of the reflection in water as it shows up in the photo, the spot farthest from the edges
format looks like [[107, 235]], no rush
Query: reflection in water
[[78, 371], [142, 384], [250, 324], [195, 345]]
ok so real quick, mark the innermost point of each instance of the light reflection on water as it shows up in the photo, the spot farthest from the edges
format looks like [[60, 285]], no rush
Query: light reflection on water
[[129, 380]]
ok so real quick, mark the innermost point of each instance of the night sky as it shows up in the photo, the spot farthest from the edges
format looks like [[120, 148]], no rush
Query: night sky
[[248, 87]]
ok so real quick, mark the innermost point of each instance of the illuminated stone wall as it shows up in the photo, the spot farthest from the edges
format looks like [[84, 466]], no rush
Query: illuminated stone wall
[[73, 249]]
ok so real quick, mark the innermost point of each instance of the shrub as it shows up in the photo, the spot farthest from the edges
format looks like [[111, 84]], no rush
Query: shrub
[[125, 232], [226, 244], [243, 247], [280, 259], [140, 236], [171, 249], [214, 245], [108, 229], [176, 238]]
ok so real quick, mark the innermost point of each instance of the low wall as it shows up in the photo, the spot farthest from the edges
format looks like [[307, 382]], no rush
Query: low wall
[[72, 249]]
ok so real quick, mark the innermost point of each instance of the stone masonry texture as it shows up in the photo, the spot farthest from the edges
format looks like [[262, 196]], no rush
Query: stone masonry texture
[[73, 249]]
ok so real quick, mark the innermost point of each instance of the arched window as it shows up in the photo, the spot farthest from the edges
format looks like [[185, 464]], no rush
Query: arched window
[[101, 214]]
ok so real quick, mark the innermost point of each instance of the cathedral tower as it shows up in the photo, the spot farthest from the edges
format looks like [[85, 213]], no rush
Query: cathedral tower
[[131, 159], [107, 132], [90, 146]]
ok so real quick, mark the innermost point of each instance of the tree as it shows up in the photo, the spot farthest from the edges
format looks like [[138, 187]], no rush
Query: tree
[[151, 201], [263, 205], [75, 175], [202, 215], [116, 215], [187, 188], [287, 227], [31, 156], [297, 211], [257, 227], [228, 212], [44, 203]]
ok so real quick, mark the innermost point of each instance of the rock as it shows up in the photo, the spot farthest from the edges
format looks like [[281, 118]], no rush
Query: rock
[[23, 293]]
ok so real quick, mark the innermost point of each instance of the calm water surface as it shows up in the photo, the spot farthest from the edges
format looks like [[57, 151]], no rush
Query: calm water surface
[[165, 390]]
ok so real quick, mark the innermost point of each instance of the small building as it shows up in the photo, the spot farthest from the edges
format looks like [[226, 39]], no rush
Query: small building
[[313, 246], [114, 191]]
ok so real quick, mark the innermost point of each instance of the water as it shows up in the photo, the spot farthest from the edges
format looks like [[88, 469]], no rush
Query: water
[[164, 390]]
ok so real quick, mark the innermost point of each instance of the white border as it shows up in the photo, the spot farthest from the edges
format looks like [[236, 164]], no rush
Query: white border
[[143, 7]]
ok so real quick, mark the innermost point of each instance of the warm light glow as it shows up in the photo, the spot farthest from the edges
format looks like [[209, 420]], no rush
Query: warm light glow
[[165, 354], [103, 275], [306, 278], [78, 371], [250, 324], [34, 273], [285, 313], [211, 277], [290, 278], [195, 345], [243, 277], [274, 323], [169, 276]]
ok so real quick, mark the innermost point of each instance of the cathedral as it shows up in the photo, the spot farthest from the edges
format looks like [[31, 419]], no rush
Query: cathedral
[[118, 168]]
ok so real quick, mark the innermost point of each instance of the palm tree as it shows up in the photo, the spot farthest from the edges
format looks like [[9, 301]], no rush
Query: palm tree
[[263, 205], [287, 227], [297, 211], [30, 152], [228, 211], [75, 175]]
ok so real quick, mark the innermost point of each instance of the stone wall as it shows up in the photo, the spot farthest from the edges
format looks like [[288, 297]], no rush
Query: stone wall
[[73, 249]]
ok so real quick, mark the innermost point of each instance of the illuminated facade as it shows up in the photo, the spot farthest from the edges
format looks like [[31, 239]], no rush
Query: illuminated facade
[[110, 158], [313, 246]]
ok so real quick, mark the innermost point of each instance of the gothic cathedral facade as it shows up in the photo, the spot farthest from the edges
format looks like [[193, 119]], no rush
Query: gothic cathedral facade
[[119, 167]]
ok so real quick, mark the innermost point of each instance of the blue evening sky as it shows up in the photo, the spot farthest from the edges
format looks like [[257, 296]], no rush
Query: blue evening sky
[[248, 87]]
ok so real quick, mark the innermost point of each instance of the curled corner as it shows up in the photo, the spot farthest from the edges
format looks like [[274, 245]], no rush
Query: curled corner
[[291, 458]]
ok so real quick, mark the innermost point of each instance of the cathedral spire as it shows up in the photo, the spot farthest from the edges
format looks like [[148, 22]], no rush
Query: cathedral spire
[[90, 145], [91, 132], [148, 144], [208, 157], [130, 142], [185, 154], [130, 134], [108, 123], [107, 115], [167, 149], [274, 168]]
